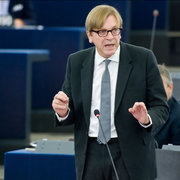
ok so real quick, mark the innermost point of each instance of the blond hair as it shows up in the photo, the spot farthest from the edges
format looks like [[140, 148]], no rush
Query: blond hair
[[99, 14]]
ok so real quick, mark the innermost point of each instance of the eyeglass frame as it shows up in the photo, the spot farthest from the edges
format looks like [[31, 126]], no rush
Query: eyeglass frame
[[107, 31]]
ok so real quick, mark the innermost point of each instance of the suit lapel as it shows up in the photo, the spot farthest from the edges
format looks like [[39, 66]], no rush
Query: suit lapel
[[125, 67], [87, 81]]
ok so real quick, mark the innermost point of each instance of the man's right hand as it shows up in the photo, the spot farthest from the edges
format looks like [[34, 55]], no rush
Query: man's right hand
[[60, 104]]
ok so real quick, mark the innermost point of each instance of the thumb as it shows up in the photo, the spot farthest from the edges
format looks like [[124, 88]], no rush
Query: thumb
[[131, 110]]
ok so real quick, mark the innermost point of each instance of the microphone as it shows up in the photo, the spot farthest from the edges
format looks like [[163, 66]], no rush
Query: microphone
[[155, 14], [97, 114]]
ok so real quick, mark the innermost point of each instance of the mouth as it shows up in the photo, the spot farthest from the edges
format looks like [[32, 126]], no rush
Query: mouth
[[109, 45]]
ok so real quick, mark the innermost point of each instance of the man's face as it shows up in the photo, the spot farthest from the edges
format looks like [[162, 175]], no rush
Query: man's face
[[106, 46], [168, 88]]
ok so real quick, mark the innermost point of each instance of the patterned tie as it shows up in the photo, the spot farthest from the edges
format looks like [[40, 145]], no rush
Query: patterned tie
[[105, 106]]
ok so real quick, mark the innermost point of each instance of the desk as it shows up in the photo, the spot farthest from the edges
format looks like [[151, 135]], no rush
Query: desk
[[168, 164], [15, 92], [29, 165]]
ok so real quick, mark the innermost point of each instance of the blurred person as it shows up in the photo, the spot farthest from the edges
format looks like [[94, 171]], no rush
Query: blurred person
[[17, 13], [137, 104], [169, 133]]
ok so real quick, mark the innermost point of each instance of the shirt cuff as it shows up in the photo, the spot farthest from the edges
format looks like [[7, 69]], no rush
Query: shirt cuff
[[148, 125], [60, 118]]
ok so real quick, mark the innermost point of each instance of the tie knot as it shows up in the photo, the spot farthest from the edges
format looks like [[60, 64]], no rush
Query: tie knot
[[107, 61]]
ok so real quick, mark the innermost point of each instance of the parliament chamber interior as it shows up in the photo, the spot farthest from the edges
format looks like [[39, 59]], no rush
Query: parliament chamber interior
[[33, 64]]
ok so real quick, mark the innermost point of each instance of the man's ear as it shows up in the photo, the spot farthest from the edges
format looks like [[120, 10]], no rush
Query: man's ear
[[171, 87], [89, 36]]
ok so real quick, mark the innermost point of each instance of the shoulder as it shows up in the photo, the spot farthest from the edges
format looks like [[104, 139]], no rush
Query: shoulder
[[135, 49], [137, 54], [81, 56], [83, 52], [174, 105]]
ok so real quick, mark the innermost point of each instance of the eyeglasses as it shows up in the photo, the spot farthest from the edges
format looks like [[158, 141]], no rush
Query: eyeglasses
[[104, 33]]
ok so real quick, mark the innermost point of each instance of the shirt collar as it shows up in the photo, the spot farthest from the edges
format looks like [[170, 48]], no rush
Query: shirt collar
[[115, 57]]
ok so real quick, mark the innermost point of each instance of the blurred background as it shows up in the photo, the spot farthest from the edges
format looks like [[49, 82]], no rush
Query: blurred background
[[33, 59]]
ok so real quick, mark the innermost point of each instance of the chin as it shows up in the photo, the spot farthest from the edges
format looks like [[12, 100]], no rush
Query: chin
[[109, 54]]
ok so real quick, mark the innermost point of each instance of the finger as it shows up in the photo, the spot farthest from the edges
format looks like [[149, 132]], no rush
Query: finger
[[59, 104], [131, 110], [60, 107], [139, 105], [135, 106], [142, 106], [61, 96]]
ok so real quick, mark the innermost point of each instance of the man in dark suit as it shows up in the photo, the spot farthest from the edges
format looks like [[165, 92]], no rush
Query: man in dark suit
[[17, 13], [169, 133], [138, 102]]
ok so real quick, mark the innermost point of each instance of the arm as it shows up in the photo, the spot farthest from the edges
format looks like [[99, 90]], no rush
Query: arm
[[62, 102], [155, 103]]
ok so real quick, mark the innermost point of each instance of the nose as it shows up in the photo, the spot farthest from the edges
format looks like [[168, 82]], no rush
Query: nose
[[109, 35]]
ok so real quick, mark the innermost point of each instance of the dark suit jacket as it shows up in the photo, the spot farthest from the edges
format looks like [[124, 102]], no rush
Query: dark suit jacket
[[138, 80], [169, 133], [22, 9]]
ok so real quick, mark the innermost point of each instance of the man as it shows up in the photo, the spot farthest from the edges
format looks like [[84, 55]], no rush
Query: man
[[138, 102], [169, 133], [17, 13]]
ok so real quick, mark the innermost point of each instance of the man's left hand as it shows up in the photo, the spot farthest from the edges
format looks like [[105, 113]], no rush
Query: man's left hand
[[139, 111]]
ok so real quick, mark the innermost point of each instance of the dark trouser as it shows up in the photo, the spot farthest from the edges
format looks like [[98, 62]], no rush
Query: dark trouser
[[98, 163]]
